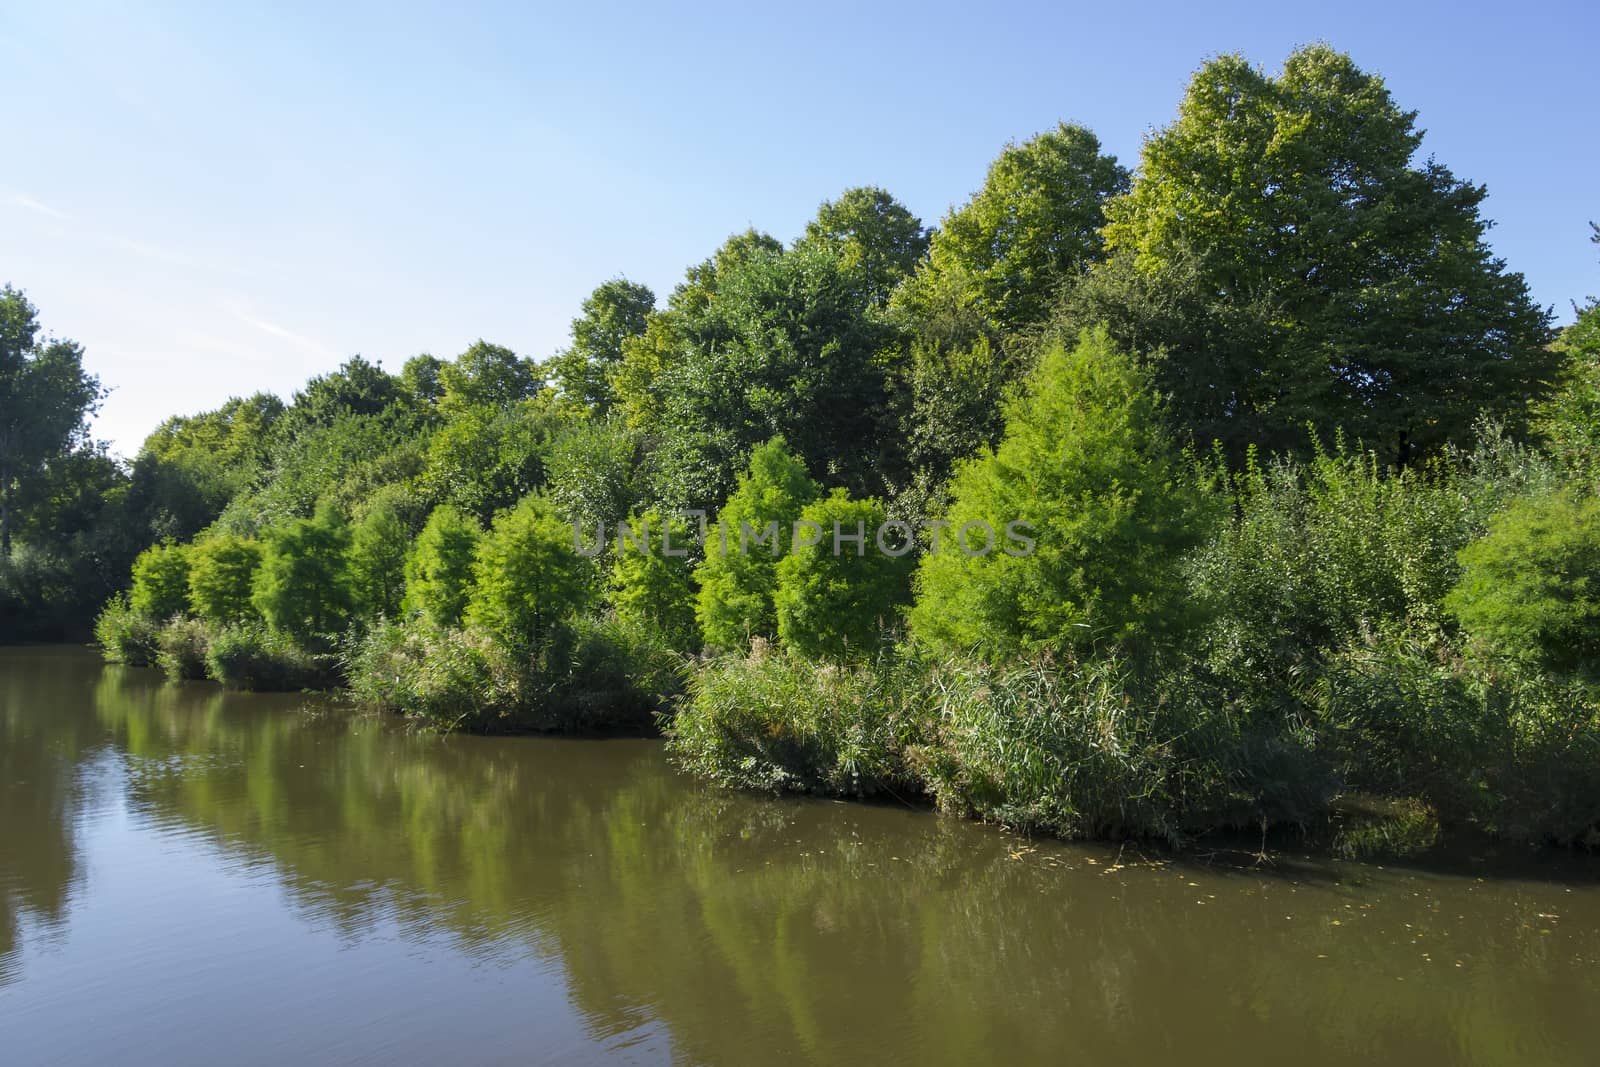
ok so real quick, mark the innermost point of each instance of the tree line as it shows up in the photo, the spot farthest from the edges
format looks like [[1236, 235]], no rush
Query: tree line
[[1312, 478]]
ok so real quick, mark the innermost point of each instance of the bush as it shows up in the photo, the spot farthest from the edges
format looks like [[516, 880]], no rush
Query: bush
[[1530, 587], [835, 599], [261, 659], [771, 721], [161, 581], [124, 635], [181, 649], [590, 676]]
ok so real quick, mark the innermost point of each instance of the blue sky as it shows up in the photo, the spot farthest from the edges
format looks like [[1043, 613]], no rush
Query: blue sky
[[215, 201]]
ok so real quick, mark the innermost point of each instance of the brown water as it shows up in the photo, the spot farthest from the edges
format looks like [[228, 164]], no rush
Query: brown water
[[192, 876]]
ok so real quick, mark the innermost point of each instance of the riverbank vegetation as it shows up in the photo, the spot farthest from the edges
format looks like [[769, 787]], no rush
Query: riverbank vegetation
[[1307, 482]]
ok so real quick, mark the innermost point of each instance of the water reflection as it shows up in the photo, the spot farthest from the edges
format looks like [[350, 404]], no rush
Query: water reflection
[[703, 927]]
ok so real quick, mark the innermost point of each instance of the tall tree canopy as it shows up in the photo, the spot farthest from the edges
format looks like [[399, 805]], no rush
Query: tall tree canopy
[[46, 398], [1294, 265], [876, 238], [613, 313], [1035, 222]]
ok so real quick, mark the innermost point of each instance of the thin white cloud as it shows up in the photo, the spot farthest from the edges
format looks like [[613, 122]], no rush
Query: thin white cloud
[[34, 205], [283, 333]]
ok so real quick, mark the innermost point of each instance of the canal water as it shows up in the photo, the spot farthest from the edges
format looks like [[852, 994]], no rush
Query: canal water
[[194, 876]]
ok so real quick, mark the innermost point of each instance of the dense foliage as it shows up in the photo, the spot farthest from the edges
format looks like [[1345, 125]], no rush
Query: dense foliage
[[1209, 496]]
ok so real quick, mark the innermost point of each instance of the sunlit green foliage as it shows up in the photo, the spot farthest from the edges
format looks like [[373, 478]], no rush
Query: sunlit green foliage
[[653, 588], [378, 548], [528, 576], [303, 585], [739, 576], [161, 581], [438, 569], [222, 571], [841, 595]]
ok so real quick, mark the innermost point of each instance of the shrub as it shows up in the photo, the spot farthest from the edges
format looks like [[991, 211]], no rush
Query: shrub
[[124, 635], [161, 581], [834, 598], [772, 721], [738, 579], [1530, 587], [181, 649], [222, 573], [438, 570], [264, 660]]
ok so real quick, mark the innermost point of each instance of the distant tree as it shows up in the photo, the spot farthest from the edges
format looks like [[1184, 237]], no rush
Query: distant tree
[[1035, 222], [613, 313], [439, 567], [738, 578], [788, 348], [358, 387], [378, 550], [303, 585], [1570, 420], [420, 378], [652, 590], [483, 458], [161, 581], [488, 376], [528, 576], [837, 597], [1088, 464], [594, 471], [46, 398], [222, 571], [1287, 263], [190, 467], [877, 239]]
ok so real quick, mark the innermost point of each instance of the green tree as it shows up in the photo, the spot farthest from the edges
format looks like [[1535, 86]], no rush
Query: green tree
[[46, 399], [1087, 463], [222, 571], [787, 347], [615, 312], [876, 238], [1530, 587], [439, 567], [1035, 222], [161, 581], [837, 595], [1570, 420], [528, 575], [738, 577], [488, 376], [377, 562], [303, 585], [1292, 265], [191, 467], [651, 590]]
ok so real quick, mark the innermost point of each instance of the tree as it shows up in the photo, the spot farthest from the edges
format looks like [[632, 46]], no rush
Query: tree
[[377, 562], [419, 377], [46, 399], [222, 571], [439, 568], [488, 376], [877, 240], [1570, 420], [303, 585], [1087, 464], [1286, 263], [651, 589], [837, 595], [613, 313], [1035, 222], [528, 576], [787, 348], [738, 578], [161, 581], [191, 466]]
